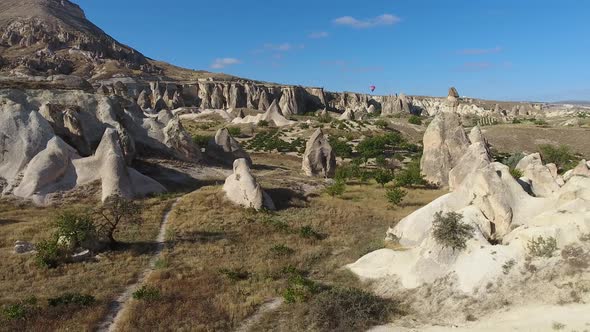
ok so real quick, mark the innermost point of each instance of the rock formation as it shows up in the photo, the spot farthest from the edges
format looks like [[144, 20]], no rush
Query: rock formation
[[226, 149], [273, 114], [498, 210], [66, 123], [241, 188], [179, 141], [544, 178], [319, 159], [445, 143]]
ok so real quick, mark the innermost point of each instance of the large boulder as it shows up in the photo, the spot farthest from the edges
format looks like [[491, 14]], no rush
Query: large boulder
[[319, 158], [544, 178], [226, 149], [445, 142], [243, 189]]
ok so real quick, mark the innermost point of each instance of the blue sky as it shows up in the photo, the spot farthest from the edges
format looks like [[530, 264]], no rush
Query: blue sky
[[501, 49]]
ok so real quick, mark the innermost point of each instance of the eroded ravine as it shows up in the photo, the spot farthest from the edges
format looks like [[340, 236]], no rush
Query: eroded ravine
[[118, 307]]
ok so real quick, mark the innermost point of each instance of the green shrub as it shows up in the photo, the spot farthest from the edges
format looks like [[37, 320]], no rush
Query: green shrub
[[147, 293], [304, 125], [512, 160], [202, 140], [49, 253], [234, 131], [72, 298], [281, 250], [336, 189], [516, 173], [540, 122], [559, 155], [75, 227], [516, 121], [18, 311], [410, 176], [161, 263], [324, 118], [263, 123], [395, 196], [235, 275], [340, 148], [372, 147], [541, 247], [381, 123], [383, 177], [300, 289], [449, 231], [414, 119], [347, 309]]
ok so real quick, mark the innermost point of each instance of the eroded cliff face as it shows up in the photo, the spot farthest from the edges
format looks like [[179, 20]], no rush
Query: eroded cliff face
[[296, 100]]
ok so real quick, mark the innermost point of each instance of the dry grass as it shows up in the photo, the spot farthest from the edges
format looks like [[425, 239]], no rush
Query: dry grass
[[209, 235], [518, 138], [104, 279]]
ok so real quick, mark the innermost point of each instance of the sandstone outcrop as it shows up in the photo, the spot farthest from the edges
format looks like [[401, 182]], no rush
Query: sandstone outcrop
[[544, 178], [243, 189], [445, 142], [226, 149], [66, 123], [273, 114], [319, 158]]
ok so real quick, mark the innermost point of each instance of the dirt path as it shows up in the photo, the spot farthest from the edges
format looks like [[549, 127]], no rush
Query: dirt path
[[266, 307], [117, 308]]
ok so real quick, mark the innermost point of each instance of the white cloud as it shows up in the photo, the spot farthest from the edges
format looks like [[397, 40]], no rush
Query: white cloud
[[385, 19], [284, 47], [224, 62], [318, 34]]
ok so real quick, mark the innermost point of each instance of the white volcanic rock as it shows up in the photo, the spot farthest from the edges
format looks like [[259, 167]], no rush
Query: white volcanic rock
[[476, 157], [319, 158], [273, 114], [347, 115], [108, 165], [177, 139], [243, 189], [445, 143], [544, 178], [66, 123], [226, 149], [22, 136]]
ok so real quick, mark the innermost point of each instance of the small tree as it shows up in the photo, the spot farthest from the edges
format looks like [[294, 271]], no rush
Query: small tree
[[449, 231], [337, 188], [411, 176], [383, 177], [396, 195], [76, 228], [116, 211]]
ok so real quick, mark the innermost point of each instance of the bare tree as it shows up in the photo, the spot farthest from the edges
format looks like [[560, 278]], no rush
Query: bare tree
[[116, 211]]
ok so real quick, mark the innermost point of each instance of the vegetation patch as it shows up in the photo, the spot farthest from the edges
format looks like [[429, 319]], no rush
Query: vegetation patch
[[542, 247], [450, 232]]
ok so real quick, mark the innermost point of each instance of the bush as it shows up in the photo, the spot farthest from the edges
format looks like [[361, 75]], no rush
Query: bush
[[75, 227], [72, 298], [347, 309], [18, 311], [49, 253], [324, 118], [300, 289], [263, 123], [383, 177], [202, 140], [559, 155], [541, 247], [516, 121], [336, 189], [340, 148], [415, 120], [304, 125], [235, 275], [449, 231], [540, 122], [281, 250], [411, 176], [234, 131], [516, 173], [147, 293], [381, 123], [395, 196], [512, 160]]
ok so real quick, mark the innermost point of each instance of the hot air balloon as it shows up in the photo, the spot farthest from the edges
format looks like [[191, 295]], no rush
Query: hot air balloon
[[372, 87]]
